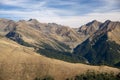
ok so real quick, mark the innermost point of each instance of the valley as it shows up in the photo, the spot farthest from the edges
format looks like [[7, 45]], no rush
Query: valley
[[30, 50]]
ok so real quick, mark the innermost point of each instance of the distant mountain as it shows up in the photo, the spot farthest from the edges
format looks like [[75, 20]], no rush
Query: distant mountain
[[102, 47], [98, 43], [6, 26], [49, 33], [50, 39], [90, 28]]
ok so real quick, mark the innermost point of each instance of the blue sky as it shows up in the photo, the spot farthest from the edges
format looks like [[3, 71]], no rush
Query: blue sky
[[66, 12]]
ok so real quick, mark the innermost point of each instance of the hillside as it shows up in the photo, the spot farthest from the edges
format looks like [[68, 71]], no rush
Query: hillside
[[98, 43], [52, 40], [22, 63], [51, 33], [102, 47]]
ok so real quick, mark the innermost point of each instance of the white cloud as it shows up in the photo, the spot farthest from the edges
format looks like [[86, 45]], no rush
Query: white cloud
[[39, 11], [77, 21], [25, 4], [109, 6], [72, 21]]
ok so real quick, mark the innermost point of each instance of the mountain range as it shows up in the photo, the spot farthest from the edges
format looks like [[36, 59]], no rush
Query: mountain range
[[85, 44], [45, 38], [103, 46], [26, 45]]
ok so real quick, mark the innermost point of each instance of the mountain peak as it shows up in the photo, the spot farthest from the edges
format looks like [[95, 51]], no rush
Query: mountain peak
[[107, 21], [52, 24], [103, 46], [21, 21], [95, 21], [109, 25], [90, 27], [6, 20], [92, 22], [33, 20]]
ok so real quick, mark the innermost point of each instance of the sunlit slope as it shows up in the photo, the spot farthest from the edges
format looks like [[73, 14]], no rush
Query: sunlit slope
[[38, 34], [102, 47], [21, 63]]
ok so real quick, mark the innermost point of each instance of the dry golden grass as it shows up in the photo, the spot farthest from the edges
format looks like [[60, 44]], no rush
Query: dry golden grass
[[40, 34], [21, 63], [114, 35]]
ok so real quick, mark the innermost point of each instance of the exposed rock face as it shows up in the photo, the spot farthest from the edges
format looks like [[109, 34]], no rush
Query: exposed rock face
[[109, 28], [90, 28], [103, 46]]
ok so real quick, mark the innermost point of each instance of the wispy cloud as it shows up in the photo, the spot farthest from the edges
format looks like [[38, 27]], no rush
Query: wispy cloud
[[67, 12], [109, 6]]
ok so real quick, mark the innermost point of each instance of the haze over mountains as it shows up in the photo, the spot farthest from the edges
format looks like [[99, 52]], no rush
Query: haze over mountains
[[93, 43]]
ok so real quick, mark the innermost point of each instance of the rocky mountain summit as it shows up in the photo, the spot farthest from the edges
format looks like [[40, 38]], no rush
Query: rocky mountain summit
[[90, 28]]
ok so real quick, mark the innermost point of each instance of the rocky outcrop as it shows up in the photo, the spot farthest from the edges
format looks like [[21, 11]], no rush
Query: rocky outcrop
[[90, 28]]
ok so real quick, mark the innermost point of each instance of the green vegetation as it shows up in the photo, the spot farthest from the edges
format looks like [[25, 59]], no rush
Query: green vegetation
[[117, 65], [49, 51], [89, 75], [63, 45], [99, 51], [22, 42], [45, 78], [17, 38], [96, 76], [65, 56]]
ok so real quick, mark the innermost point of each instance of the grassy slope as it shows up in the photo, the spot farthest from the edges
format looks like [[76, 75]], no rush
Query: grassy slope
[[21, 63]]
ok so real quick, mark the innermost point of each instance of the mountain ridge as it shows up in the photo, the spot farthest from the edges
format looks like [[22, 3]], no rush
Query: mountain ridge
[[102, 47], [57, 41], [90, 28]]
